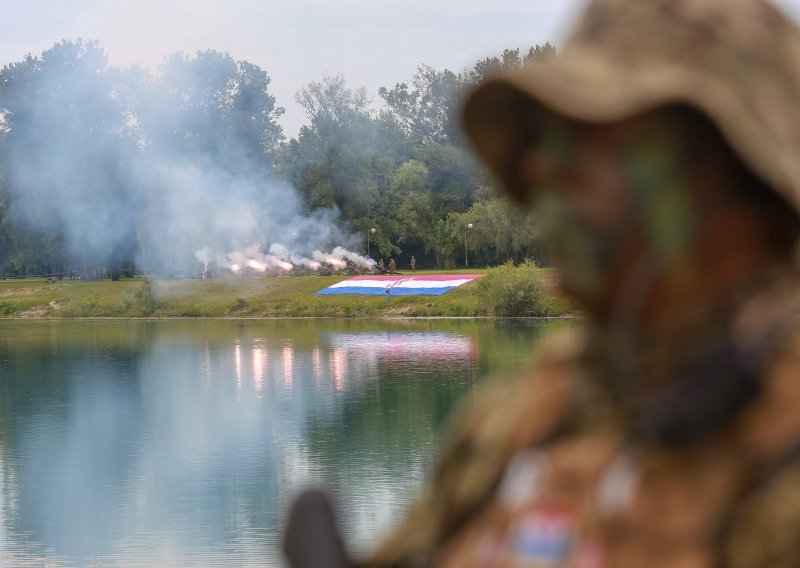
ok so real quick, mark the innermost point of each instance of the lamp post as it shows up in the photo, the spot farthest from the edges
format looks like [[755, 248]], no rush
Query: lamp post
[[371, 231], [466, 251]]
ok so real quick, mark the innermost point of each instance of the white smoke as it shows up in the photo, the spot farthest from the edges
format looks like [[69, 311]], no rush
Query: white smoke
[[128, 166], [224, 215], [357, 259], [280, 260], [255, 260]]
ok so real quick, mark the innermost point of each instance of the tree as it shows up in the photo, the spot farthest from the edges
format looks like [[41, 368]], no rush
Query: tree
[[212, 107], [104, 165], [332, 107], [426, 111], [345, 158], [510, 59], [64, 117]]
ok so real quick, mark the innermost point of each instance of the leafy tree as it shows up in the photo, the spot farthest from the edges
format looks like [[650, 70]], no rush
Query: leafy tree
[[212, 107], [453, 176], [448, 241], [6, 230], [345, 158], [510, 59], [64, 118], [78, 140], [417, 222], [332, 108], [426, 111]]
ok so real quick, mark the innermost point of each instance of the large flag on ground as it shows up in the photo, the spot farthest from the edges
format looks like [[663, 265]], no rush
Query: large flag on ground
[[400, 285]]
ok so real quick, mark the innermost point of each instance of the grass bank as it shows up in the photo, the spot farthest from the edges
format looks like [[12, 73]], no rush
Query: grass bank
[[234, 297]]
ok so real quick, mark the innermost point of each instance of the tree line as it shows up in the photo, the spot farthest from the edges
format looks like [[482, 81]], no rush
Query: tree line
[[85, 147]]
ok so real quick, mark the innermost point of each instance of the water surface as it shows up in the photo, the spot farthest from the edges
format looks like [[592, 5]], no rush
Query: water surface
[[178, 443]]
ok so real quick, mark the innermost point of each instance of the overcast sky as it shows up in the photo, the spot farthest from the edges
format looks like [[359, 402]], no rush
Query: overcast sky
[[373, 43]]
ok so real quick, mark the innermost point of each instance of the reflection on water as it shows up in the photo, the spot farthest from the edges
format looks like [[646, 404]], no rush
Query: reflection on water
[[407, 348], [180, 443], [259, 368], [288, 365]]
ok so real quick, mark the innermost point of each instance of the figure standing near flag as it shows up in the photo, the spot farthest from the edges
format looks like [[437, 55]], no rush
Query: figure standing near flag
[[413, 265]]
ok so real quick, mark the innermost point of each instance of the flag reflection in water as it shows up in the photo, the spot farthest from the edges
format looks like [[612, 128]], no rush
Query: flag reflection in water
[[317, 368], [259, 367], [186, 449], [343, 359], [338, 368], [404, 348], [343, 409], [288, 364], [237, 357]]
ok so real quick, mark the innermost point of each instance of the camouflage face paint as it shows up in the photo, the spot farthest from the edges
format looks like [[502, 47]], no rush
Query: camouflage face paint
[[656, 170], [581, 254], [580, 242], [653, 201]]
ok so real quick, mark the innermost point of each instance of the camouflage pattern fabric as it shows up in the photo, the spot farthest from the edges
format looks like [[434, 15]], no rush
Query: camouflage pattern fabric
[[766, 525], [540, 472], [570, 464]]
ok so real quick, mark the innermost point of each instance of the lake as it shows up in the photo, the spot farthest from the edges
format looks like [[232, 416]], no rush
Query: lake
[[178, 443]]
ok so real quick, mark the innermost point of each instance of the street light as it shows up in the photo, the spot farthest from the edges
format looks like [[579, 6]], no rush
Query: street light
[[371, 231], [466, 253]]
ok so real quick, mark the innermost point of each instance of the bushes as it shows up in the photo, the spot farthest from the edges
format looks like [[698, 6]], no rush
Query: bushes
[[514, 291], [8, 307], [146, 296]]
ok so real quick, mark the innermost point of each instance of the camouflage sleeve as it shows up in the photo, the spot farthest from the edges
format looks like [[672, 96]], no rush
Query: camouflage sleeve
[[504, 416], [766, 528]]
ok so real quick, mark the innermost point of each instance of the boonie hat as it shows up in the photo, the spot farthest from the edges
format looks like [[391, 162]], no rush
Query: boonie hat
[[735, 61]]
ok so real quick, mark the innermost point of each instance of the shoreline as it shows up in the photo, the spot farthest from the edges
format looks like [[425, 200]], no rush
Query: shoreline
[[286, 318], [261, 298]]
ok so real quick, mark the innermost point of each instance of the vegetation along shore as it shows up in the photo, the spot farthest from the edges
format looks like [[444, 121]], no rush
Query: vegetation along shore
[[506, 291]]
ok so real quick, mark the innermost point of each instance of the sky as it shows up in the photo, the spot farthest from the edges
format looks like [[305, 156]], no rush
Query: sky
[[373, 43]]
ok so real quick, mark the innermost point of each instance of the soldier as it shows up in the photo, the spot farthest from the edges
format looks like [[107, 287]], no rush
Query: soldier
[[392, 266], [660, 149], [413, 265]]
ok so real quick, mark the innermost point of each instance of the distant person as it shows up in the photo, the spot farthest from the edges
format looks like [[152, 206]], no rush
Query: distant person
[[413, 265], [392, 265], [381, 266]]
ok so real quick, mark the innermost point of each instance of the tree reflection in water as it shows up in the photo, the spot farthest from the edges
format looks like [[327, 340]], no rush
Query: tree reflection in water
[[179, 443]]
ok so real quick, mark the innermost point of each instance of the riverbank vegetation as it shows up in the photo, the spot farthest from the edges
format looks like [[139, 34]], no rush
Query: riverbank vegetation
[[510, 291], [265, 297], [106, 172]]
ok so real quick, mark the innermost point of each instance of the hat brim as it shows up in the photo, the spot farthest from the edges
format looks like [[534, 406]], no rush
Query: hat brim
[[592, 88]]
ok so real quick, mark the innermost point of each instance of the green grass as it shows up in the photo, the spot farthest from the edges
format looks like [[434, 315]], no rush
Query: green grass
[[233, 297]]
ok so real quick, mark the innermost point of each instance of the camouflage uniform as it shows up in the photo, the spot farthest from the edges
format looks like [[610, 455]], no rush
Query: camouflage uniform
[[540, 471], [553, 468]]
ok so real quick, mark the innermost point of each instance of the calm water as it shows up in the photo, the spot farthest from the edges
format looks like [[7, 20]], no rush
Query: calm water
[[181, 442]]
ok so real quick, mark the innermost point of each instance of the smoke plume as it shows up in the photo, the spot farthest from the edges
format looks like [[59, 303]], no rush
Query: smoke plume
[[172, 171]]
